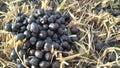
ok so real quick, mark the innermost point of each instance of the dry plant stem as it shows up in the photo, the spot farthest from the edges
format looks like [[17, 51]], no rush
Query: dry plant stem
[[63, 59], [71, 57], [45, 4], [85, 59], [7, 63], [115, 38], [61, 5], [4, 32], [108, 64], [82, 46], [88, 33], [108, 32], [89, 40], [2, 61], [53, 51], [110, 49], [12, 2], [9, 45], [25, 8]]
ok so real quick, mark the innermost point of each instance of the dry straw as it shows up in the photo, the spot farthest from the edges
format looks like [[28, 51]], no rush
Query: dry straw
[[86, 21]]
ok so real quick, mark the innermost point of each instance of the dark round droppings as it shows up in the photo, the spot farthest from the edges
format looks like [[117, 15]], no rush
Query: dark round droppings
[[22, 29], [55, 37], [50, 33], [48, 56], [58, 21], [48, 39], [13, 54], [56, 45], [62, 20], [40, 27], [34, 28], [99, 46], [66, 15], [62, 26], [8, 27], [61, 31], [25, 22], [38, 21], [45, 26], [74, 30], [34, 34], [56, 64], [53, 26], [50, 20], [28, 27], [46, 16], [39, 54], [18, 61], [20, 19], [15, 27], [53, 16], [39, 44], [27, 34], [34, 61], [44, 64], [23, 16], [75, 38], [65, 44], [33, 40], [60, 48], [48, 12], [33, 66], [43, 20], [44, 32], [21, 53], [31, 19], [47, 46], [40, 12], [32, 52], [27, 61], [111, 56], [58, 14], [19, 36], [64, 38], [20, 66]]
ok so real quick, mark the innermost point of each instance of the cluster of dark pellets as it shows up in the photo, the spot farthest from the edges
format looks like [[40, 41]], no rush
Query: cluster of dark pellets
[[100, 48], [37, 3], [44, 30], [113, 11]]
